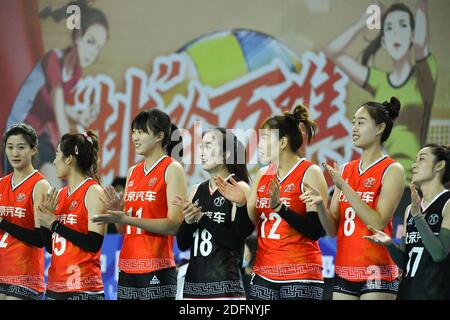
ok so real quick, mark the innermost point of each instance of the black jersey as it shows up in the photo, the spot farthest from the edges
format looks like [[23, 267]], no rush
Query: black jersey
[[214, 271], [424, 278]]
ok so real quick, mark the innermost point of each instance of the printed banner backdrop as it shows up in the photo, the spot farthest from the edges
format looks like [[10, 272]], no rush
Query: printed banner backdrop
[[221, 63]]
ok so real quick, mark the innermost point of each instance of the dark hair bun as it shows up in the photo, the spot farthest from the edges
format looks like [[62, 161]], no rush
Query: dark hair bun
[[393, 107], [300, 114]]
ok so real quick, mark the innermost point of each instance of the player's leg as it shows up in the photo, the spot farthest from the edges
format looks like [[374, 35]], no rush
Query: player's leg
[[343, 296], [378, 296]]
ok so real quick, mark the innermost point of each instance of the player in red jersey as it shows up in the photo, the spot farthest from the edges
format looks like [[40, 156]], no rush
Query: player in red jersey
[[71, 237], [21, 192], [288, 261], [150, 217], [367, 192]]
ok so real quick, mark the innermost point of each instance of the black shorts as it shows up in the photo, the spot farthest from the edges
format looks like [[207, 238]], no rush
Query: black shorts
[[20, 292], [156, 285], [263, 289], [52, 295], [357, 289]]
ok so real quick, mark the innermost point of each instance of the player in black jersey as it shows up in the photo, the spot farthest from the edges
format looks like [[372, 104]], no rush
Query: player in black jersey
[[215, 228], [423, 254]]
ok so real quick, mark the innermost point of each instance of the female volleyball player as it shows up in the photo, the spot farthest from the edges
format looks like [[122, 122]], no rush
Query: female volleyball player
[[211, 222], [21, 192], [150, 219], [74, 273], [423, 254], [288, 261], [367, 192]]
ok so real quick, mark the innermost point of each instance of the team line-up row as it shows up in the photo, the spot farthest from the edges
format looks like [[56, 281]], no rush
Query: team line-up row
[[286, 205]]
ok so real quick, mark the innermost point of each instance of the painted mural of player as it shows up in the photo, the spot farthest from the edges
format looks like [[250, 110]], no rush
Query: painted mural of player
[[42, 98], [412, 78]]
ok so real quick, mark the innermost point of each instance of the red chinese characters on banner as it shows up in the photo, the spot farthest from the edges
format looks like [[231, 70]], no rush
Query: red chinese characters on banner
[[243, 103]]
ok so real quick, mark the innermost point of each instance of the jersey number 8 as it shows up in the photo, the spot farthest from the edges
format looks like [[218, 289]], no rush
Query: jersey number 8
[[349, 223]]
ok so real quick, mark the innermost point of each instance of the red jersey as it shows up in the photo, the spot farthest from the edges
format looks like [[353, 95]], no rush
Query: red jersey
[[284, 253], [356, 258], [73, 269], [146, 198], [20, 263]]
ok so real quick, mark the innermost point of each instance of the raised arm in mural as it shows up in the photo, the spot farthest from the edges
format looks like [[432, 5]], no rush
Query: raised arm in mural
[[412, 78]]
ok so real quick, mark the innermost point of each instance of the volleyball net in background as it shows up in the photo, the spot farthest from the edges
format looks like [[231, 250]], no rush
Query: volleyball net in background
[[439, 132]]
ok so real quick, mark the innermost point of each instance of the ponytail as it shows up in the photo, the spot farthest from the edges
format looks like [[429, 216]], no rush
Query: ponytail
[[385, 112], [288, 125], [84, 148], [301, 115]]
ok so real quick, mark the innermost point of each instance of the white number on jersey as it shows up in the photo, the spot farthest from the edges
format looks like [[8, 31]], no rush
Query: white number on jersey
[[205, 243], [272, 232], [138, 215], [349, 224], [56, 238], [418, 251], [3, 243]]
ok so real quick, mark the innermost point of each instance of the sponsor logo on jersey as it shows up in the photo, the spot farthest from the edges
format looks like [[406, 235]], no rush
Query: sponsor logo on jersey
[[410, 221], [369, 182], [152, 181], [218, 202], [262, 188], [433, 219], [289, 188], [131, 183], [21, 197], [155, 280], [73, 205]]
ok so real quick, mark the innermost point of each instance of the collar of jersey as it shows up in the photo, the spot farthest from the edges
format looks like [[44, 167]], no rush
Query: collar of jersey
[[424, 208], [371, 165], [290, 171], [77, 187], [154, 165], [25, 179]]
